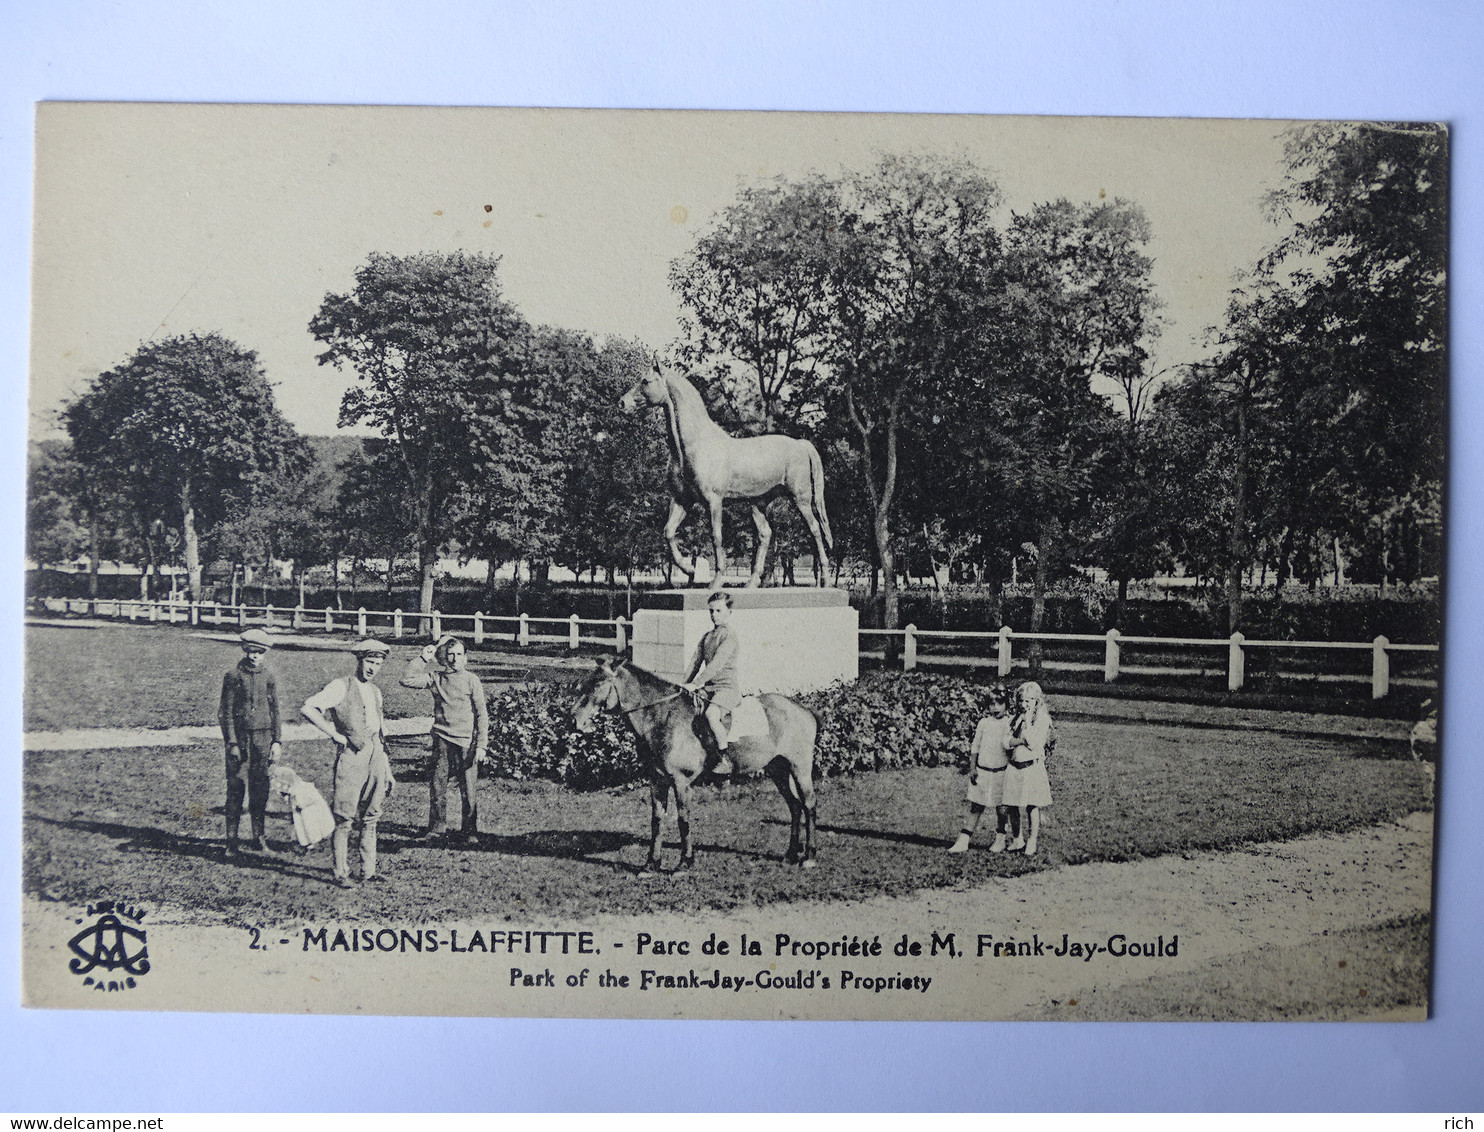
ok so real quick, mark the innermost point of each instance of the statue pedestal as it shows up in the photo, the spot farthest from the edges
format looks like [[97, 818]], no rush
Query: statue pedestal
[[792, 639]]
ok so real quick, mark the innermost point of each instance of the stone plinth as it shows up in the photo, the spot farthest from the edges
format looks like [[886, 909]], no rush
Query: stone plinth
[[792, 640]]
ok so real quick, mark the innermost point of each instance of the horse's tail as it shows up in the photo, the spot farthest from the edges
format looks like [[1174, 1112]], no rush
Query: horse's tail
[[816, 496]]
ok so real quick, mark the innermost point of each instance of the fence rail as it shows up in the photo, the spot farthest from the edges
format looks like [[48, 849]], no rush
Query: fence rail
[[577, 631]]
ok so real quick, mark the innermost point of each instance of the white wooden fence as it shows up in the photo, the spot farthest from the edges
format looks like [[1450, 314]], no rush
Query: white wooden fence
[[1114, 643], [576, 631]]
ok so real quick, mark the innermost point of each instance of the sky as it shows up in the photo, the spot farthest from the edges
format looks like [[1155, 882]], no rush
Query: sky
[[156, 220]]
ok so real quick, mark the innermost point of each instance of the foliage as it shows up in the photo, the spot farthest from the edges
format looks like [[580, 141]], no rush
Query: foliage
[[435, 348], [1319, 418], [614, 490], [187, 429], [754, 294], [534, 738], [886, 720], [56, 524]]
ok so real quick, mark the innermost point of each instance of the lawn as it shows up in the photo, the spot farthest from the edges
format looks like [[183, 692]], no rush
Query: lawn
[[85, 675], [147, 823]]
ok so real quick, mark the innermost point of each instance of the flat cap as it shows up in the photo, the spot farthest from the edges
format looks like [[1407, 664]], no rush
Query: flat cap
[[256, 637], [368, 647]]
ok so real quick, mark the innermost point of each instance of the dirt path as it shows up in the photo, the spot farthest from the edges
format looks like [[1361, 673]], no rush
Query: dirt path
[[1210, 908]]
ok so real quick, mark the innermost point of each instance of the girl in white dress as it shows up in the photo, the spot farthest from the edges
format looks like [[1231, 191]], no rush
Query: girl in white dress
[[1026, 783]]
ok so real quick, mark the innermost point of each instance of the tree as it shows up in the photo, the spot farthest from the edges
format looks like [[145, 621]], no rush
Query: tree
[[1365, 260], [615, 491], [185, 425], [429, 338], [1078, 312], [57, 525], [754, 294], [374, 514], [1322, 403], [279, 513], [914, 274]]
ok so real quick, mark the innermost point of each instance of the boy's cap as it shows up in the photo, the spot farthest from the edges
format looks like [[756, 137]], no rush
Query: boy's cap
[[256, 637], [446, 640], [369, 647]]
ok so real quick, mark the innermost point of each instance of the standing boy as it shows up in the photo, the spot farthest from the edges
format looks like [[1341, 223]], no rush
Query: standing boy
[[253, 733], [714, 673], [348, 710], [460, 731]]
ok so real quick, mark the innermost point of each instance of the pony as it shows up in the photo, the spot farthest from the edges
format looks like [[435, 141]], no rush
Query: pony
[[708, 466], [668, 727]]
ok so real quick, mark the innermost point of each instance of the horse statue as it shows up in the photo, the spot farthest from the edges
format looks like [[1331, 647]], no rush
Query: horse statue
[[708, 466], [668, 728]]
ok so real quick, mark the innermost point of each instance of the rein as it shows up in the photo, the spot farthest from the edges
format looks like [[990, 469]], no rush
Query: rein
[[675, 695]]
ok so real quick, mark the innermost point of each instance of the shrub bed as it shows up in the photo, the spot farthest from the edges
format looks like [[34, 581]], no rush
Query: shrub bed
[[886, 720]]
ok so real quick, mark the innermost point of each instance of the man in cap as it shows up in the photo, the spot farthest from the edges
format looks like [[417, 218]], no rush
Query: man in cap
[[253, 733], [460, 730], [348, 710]]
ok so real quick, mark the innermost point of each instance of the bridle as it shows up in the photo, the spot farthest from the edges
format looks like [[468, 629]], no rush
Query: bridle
[[618, 699]]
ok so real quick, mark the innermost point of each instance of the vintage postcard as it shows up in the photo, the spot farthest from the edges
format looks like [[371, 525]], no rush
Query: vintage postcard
[[733, 565]]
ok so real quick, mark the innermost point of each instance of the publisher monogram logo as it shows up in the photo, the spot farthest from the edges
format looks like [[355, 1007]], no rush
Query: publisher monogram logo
[[108, 945]]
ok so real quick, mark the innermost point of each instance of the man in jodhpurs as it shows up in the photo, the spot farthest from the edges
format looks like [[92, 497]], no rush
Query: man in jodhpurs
[[253, 733], [348, 710], [460, 731]]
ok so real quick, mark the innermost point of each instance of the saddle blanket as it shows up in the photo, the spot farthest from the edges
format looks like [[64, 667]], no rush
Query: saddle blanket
[[313, 821], [748, 719]]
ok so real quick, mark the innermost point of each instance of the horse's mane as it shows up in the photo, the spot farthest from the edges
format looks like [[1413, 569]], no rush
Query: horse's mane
[[645, 678], [684, 391]]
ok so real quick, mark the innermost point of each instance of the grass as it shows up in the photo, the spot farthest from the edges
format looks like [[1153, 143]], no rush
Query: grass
[[147, 822], [171, 676]]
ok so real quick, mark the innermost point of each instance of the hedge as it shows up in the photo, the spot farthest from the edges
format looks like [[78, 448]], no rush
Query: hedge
[[884, 720]]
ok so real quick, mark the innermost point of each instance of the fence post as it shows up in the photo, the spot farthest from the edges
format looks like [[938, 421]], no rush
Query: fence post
[[909, 648], [329, 620], [268, 616], [523, 630], [195, 613], [1236, 664], [361, 622], [573, 633], [621, 634], [1004, 655], [1380, 668], [154, 611], [396, 623], [242, 617], [298, 619], [216, 613], [478, 627], [133, 611], [437, 624], [1111, 656]]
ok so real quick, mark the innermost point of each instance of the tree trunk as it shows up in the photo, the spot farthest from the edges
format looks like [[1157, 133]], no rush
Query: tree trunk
[[428, 563], [1237, 548], [93, 561], [1045, 538], [152, 570], [190, 540]]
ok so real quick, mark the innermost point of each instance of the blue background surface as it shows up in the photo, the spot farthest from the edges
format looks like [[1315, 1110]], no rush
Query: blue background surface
[[1342, 60]]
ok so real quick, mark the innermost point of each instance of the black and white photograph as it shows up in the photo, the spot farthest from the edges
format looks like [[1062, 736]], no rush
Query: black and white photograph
[[726, 565]]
